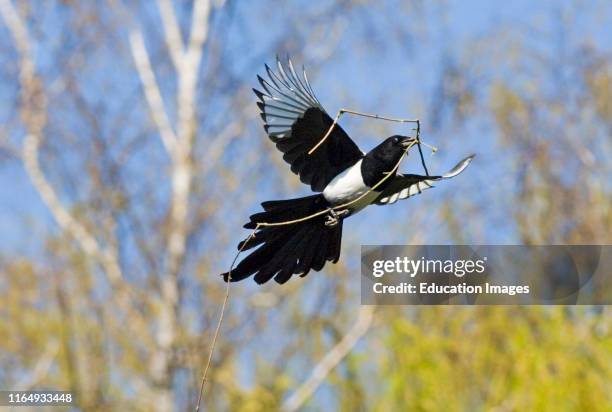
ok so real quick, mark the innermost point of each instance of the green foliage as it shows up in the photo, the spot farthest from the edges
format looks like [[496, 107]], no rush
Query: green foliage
[[498, 358]]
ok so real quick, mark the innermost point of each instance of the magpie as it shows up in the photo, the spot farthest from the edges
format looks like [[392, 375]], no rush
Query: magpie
[[338, 171]]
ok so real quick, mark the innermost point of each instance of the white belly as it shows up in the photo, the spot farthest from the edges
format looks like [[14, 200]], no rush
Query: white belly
[[347, 187]]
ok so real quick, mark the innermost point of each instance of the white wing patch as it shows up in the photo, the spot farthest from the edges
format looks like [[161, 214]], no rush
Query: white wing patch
[[418, 187], [407, 192]]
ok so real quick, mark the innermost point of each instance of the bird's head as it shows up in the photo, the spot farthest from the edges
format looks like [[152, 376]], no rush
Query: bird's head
[[391, 149], [379, 161]]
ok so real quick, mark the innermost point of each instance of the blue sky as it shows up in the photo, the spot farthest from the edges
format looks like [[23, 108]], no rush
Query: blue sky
[[388, 77], [387, 61]]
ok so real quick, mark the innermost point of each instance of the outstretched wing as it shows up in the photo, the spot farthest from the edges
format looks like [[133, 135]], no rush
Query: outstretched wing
[[404, 186], [295, 121]]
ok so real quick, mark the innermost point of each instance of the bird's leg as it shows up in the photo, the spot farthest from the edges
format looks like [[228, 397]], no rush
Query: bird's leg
[[333, 216], [342, 213]]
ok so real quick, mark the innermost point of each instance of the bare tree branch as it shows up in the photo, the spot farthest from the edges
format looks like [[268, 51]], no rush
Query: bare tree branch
[[34, 109], [186, 60], [173, 38], [330, 360], [41, 367], [218, 145], [151, 89], [35, 117], [182, 168]]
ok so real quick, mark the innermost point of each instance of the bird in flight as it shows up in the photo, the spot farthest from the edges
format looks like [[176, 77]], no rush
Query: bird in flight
[[338, 171]]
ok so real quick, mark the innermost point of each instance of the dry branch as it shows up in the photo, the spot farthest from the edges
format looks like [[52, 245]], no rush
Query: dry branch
[[151, 90], [330, 360], [186, 59], [34, 114]]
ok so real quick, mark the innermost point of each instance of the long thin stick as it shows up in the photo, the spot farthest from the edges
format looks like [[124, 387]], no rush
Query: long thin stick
[[344, 205], [375, 116], [216, 335], [420, 150], [356, 113], [264, 224], [253, 234]]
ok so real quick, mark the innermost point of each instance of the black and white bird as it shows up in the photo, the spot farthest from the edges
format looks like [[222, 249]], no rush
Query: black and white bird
[[338, 170]]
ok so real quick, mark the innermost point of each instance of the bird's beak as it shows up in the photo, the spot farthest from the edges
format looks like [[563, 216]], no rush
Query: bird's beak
[[407, 142]]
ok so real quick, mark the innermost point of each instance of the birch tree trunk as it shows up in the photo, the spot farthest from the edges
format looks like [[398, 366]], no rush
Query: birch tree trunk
[[186, 58]]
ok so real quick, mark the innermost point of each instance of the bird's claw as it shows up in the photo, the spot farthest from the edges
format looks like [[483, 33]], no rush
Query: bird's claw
[[333, 217]]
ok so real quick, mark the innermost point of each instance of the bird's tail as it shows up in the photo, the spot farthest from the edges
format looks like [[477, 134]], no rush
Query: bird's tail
[[294, 248]]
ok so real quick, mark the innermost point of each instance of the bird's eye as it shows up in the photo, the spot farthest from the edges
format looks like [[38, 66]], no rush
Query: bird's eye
[[396, 139]]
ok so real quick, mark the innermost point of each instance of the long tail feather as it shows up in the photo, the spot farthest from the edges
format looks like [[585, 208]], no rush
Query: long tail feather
[[285, 250]]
